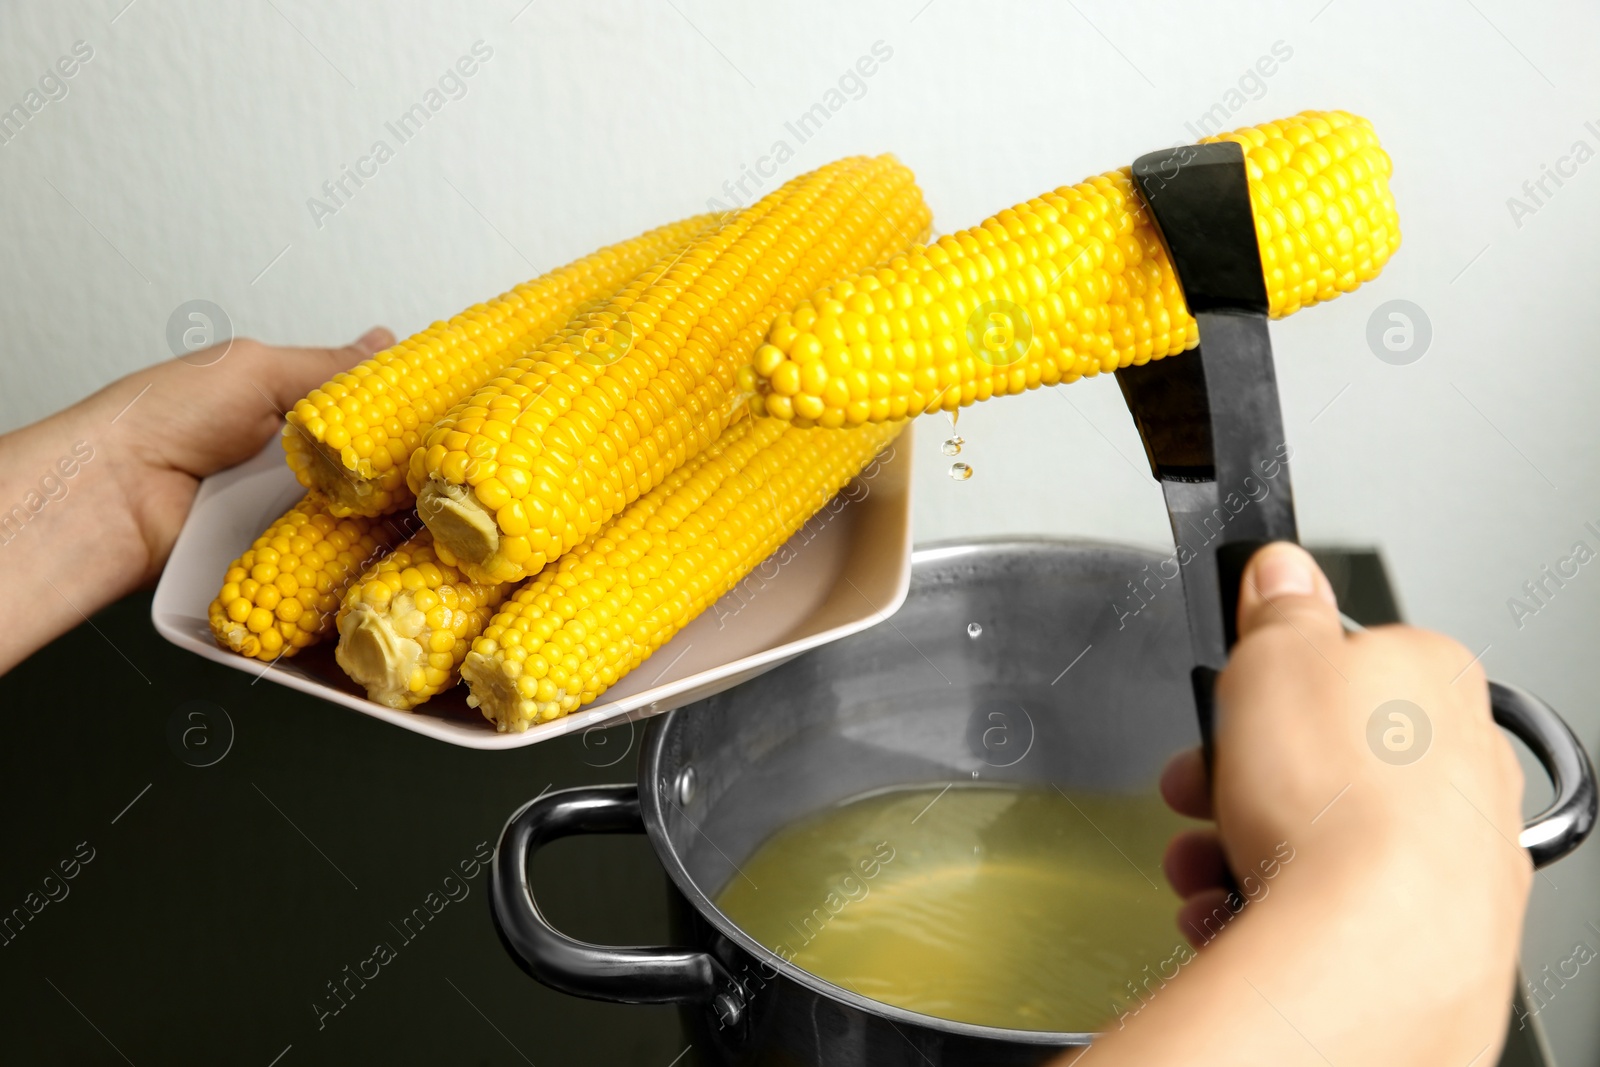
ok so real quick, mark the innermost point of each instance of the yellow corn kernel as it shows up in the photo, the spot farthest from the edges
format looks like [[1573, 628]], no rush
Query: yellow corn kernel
[[605, 409], [406, 625], [1072, 284], [313, 553], [351, 438], [591, 616]]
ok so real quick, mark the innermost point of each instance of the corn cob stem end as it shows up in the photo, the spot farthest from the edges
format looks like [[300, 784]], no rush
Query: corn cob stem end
[[495, 694], [378, 658], [459, 523], [234, 636], [346, 492]]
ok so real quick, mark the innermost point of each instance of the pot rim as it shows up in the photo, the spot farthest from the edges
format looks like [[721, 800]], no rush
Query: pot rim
[[650, 801]]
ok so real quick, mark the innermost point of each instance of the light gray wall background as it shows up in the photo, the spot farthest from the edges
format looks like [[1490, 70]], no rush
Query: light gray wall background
[[179, 164]]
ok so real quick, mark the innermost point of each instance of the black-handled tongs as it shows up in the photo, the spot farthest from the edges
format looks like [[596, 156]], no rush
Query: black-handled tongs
[[1213, 431]]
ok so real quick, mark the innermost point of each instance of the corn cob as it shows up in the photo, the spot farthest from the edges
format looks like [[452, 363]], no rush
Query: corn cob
[[1071, 284], [538, 459], [282, 594], [407, 623], [588, 618], [350, 439]]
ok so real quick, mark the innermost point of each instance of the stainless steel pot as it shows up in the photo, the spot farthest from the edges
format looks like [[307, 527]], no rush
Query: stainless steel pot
[[1061, 686]]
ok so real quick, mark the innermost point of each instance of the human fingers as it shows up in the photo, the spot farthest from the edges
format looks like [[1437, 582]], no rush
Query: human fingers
[[1195, 863], [1185, 785], [1204, 915], [1283, 586], [287, 374]]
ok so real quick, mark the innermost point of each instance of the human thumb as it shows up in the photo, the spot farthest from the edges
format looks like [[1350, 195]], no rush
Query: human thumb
[[1283, 586]]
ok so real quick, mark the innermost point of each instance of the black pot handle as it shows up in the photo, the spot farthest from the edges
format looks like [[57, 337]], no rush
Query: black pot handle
[[625, 975], [1562, 826]]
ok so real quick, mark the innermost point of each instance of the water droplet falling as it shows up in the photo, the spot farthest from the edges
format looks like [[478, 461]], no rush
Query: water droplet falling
[[952, 447], [974, 630], [960, 471]]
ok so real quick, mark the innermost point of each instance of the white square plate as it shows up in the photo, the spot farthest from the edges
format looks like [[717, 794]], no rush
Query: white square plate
[[850, 570]]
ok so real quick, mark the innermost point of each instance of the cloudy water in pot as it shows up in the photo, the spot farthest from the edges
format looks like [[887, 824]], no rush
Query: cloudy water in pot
[[1027, 908]]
